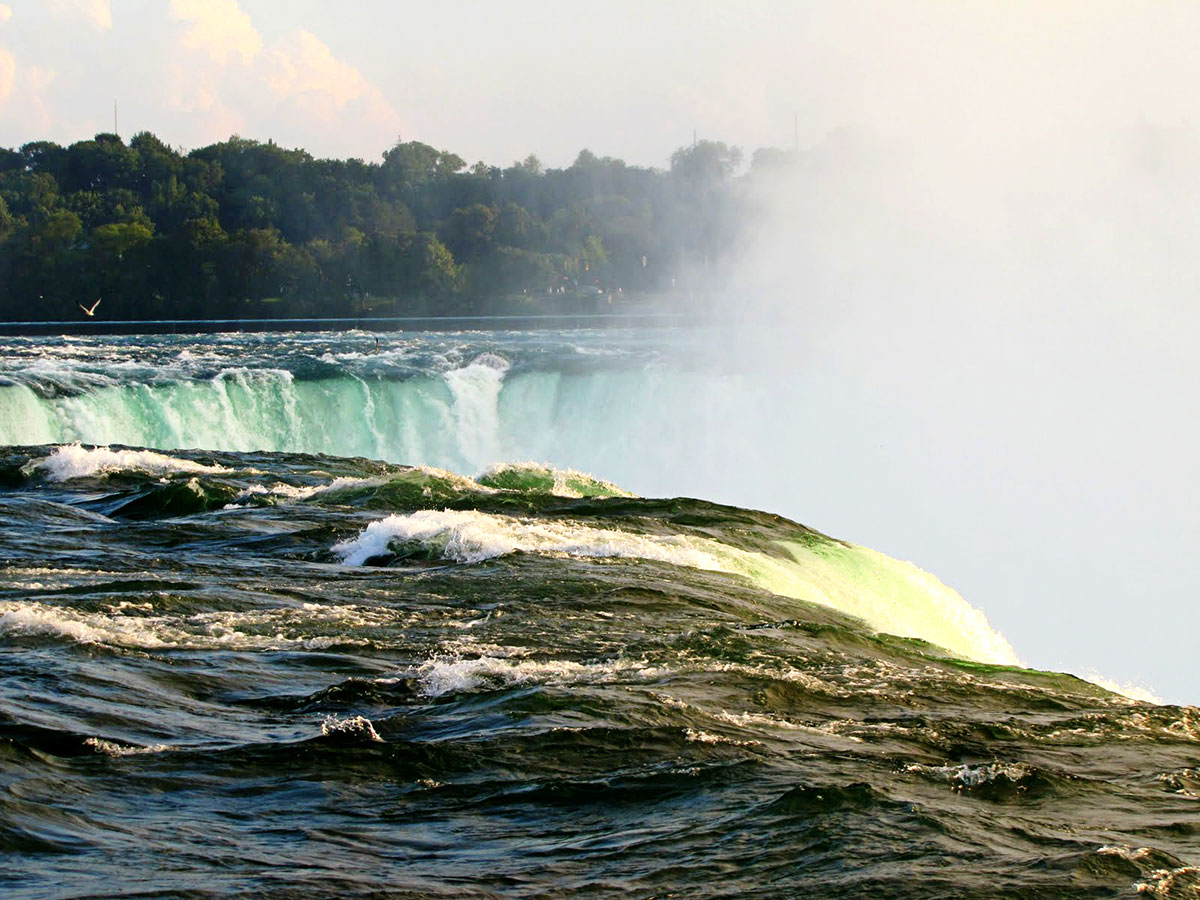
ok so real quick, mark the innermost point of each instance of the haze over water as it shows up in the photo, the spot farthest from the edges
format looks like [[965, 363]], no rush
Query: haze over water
[[988, 361]]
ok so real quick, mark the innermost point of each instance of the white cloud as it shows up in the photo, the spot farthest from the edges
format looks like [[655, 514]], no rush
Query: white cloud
[[5, 13], [31, 101], [204, 71], [302, 71], [8, 75], [224, 80], [214, 46], [97, 12], [302, 64], [218, 29]]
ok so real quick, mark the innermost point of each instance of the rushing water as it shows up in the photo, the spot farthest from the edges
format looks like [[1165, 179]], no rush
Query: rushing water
[[265, 668], [460, 401]]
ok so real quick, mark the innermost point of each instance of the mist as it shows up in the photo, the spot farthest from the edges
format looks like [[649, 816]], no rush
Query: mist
[[972, 320]]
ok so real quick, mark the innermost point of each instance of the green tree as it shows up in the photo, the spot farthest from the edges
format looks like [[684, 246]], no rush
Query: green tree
[[415, 162], [432, 277], [7, 222], [44, 157], [245, 227], [517, 227], [705, 163], [56, 233], [104, 163], [469, 233]]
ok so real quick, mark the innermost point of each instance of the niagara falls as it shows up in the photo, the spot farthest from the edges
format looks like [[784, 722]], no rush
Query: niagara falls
[[643, 450]]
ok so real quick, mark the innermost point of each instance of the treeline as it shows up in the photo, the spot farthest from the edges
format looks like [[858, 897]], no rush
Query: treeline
[[246, 229]]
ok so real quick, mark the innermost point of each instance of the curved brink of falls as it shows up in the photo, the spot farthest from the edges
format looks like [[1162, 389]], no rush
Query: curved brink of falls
[[464, 420]]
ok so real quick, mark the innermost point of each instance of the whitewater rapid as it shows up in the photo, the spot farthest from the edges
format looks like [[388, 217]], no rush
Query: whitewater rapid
[[457, 409]]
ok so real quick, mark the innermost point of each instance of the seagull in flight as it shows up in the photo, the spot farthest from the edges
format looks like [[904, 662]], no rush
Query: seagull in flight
[[89, 311]]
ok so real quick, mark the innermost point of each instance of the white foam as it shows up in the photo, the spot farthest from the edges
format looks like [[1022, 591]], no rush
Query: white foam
[[309, 626], [111, 748], [696, 736], [461, 482], [292, 492], [452, 675], [1160, 882], [965, 777], [467, 536], [82, 628], [1179, 780], [476, 392], [1125, 689], [359, 727], [1165, 883], [74, 461]]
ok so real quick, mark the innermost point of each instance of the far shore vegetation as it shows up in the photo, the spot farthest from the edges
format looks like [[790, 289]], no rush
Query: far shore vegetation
[[245, 229]]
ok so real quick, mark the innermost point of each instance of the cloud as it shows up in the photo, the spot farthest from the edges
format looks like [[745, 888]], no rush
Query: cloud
[[213, 51], [223, 79], [203, 70], [302, 64], [218, 29], [97, 12], [8, 75], [302, 70], [8, 65], [26, 89]]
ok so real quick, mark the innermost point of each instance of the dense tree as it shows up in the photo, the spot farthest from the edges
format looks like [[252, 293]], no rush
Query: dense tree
[[705, 163], [468, 233], [245, 228]]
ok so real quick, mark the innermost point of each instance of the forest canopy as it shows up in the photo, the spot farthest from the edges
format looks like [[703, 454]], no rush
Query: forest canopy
[[244, 229]]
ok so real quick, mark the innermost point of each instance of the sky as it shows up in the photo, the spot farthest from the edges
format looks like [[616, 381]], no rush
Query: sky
[[975, 308], [496, 81]]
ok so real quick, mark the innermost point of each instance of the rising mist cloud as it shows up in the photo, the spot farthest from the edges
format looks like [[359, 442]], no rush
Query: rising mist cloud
[[975, 315]]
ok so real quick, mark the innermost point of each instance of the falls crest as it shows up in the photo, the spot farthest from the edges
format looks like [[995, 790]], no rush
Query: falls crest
[[626, 424]]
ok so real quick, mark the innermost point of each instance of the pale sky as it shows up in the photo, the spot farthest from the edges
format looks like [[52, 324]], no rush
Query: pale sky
[[496, 81], [989, 334]]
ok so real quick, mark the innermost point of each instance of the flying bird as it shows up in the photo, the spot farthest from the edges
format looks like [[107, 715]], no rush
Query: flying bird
[[86, 310]]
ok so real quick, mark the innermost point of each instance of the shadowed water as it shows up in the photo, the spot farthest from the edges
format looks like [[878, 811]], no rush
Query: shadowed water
[[222, 678]]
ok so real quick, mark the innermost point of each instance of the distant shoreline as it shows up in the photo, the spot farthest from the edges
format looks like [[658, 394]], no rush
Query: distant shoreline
[[363, 323]]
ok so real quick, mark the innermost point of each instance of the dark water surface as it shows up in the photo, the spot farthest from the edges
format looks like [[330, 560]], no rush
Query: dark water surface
[[276, 674]]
